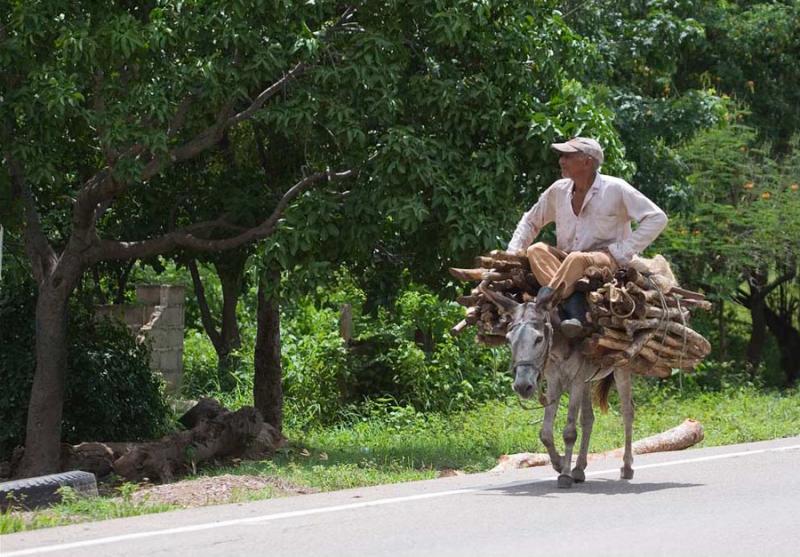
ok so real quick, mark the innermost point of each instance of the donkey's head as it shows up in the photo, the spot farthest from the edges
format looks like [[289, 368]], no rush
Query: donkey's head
[[530, 335]]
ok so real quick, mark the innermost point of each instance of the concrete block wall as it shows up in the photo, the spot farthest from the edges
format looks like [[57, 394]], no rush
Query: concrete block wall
[[158, 319]]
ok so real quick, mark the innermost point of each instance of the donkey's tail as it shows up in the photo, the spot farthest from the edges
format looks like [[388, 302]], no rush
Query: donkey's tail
[[601, 391]]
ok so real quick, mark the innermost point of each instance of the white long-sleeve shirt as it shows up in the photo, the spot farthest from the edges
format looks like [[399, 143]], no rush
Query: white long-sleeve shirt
[[604, 220]]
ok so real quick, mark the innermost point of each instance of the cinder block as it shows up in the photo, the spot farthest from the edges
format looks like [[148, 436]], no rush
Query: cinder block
[[172, 295], [148, 294], [173, 317], [134, 316], [175, 339]]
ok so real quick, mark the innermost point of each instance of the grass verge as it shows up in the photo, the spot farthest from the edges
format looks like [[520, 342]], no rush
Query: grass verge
[[397, 444]]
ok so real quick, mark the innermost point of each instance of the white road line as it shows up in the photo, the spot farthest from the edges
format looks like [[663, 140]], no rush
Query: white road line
[[351, 506]]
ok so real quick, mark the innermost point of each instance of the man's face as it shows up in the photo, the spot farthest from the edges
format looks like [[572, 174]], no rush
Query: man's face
[[575, 165]]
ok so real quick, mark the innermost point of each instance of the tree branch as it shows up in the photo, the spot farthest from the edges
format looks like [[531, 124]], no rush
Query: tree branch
[[184, 238], [41, 254], [202, 302]]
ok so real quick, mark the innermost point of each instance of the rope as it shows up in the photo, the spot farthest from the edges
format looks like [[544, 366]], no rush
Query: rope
[[611, 289]]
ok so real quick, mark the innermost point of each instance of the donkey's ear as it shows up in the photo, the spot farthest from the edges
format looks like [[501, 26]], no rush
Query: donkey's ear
[[503, 302]]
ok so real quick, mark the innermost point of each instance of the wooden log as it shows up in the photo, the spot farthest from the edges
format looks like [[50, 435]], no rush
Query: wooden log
[[668, 340], [669, 313], [491, 340], [636, 278], [497, 264], [671, 352], [612, 343], [468, 300], [688, 294], [472, 315], [699, 345], [500, 285], [597, 298], [639, 341], [686, 435], [459, 327], [639, 300], [616, 334], [510, 256], [225, 435], [524, 280], [620, 302], [467, 274]]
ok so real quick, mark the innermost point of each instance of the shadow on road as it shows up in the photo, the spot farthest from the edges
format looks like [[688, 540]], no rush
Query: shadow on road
[[592, 486]]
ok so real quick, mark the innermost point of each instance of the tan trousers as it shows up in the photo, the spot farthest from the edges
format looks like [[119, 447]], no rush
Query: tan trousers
[[560, 270]]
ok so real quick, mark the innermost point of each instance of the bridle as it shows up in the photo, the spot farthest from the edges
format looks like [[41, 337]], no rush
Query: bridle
[[547, 332]]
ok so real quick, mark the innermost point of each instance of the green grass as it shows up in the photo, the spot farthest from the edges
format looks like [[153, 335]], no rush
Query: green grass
[[74, 508], [396, 444]]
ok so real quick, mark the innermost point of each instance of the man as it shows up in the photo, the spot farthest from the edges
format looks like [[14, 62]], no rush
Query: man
[[593, 214]]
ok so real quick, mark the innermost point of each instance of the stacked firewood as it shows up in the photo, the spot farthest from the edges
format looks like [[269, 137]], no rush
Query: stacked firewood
[[642, 323], [638, 321], [499, 271]]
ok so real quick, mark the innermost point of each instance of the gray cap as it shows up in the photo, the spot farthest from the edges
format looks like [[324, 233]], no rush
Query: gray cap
[[584, 145]]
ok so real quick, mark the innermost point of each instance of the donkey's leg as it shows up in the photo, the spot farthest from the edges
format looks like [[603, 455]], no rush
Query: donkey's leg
[[571, 431], [553, 395], [623, 379], [587, 421]]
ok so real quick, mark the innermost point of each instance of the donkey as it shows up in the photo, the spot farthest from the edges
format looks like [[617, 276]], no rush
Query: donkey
[[541, 353]]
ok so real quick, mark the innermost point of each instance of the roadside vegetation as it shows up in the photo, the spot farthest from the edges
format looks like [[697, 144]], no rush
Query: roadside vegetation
[[390, 443], [147, 145]]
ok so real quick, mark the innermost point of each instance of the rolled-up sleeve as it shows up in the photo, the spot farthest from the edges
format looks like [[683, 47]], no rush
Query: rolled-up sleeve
[[651, 221], [541, 214]]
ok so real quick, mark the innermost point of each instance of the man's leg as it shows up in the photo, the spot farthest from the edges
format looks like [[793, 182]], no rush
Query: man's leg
[[574, 267], [545, 261]]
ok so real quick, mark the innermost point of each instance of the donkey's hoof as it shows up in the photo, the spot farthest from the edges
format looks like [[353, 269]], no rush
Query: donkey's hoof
[[578, 475], [565, 481], [625, 473]]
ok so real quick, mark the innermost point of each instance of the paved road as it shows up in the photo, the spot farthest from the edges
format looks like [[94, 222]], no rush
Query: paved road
[[735, 500]]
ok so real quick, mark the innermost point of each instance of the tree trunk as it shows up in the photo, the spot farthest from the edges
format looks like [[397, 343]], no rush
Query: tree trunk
[[267, 388], [757, 281], [43, 431], [230, 275], [722, 330], [788, 343]]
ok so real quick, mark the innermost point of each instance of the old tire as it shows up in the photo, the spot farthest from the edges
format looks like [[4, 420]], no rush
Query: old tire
[[41, 491]]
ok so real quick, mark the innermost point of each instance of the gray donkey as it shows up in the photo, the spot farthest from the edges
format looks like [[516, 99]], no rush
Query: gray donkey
[[540, 352]]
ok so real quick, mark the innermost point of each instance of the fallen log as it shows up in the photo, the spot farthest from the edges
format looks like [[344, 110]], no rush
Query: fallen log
[[686, 435], [214, 433]]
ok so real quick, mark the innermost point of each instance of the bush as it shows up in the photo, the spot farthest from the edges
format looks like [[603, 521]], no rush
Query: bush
[[404, 354], [111, 394]]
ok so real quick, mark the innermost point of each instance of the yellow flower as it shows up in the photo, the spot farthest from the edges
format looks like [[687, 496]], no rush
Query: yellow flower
[[766, 195], [794, 187], [748, 186]]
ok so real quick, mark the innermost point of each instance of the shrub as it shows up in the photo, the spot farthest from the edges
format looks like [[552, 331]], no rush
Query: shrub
[[111, 394]]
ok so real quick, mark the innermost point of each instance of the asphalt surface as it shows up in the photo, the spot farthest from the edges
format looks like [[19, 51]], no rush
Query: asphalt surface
[[734, 500]]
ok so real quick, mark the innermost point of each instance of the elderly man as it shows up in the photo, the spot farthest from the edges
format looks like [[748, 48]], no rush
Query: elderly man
[[593, 214]]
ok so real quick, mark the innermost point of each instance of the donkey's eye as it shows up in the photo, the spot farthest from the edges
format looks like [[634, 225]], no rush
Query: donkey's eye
[[538, 340]]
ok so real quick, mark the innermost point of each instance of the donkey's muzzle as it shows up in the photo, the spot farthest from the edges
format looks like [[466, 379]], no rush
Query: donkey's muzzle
[[525, 389]]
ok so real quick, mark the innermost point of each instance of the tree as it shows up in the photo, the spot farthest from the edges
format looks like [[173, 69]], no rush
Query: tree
[[442, 113], [739, 242]]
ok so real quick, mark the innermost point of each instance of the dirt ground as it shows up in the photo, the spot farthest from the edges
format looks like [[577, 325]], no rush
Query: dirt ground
[[216, 490]]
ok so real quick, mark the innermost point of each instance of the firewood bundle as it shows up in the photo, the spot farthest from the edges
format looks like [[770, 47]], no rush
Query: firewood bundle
[[639, 321], [643, 325], [499, 271]]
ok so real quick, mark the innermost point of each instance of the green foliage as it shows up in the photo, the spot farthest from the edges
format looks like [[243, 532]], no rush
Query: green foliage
[[111, 394], [747, 213]]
